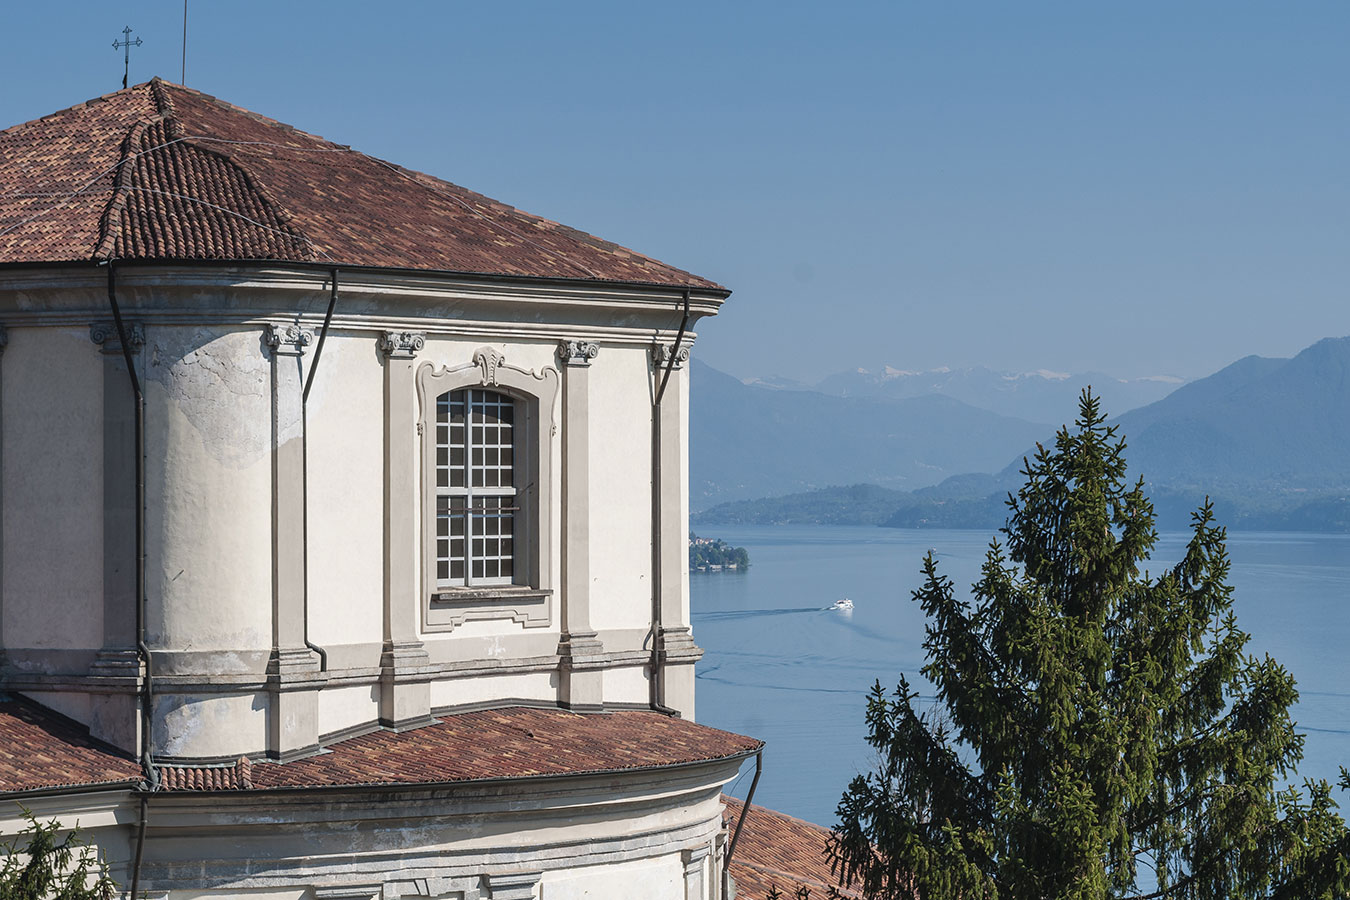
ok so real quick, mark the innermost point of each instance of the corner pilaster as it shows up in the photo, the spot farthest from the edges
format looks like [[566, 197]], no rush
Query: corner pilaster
[[293, 670], [405, 680], [678, 653], [579, 649], [114, 715]]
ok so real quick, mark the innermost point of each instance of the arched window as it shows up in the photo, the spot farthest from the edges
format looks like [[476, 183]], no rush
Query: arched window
[[476, 508]]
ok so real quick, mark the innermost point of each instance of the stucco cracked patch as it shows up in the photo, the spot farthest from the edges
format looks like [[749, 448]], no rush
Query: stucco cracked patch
[[220, 384]]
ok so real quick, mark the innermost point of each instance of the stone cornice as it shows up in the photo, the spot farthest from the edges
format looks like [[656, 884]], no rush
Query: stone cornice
[[161, 280]]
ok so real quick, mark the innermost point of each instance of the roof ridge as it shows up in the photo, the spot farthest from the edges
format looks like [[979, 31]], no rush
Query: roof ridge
[[84, 104], [110, 225], [583, 236], [169, 87], [164, 103]]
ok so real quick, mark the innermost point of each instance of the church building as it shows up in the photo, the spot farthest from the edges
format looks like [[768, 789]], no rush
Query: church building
[[343, 525]]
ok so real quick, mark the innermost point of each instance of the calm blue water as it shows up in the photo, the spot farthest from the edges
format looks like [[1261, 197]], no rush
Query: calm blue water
[[780, 667]]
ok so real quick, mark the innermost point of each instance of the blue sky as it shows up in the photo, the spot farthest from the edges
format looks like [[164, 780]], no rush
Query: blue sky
[[1138, 188]]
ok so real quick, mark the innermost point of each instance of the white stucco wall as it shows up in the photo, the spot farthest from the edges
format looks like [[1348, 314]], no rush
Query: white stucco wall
[[465, 691], [52, 489], [209, 490], [626, 684], [646, 879], [345, 444], [222, 725], [620, 502], [212, 616], [347, 707]]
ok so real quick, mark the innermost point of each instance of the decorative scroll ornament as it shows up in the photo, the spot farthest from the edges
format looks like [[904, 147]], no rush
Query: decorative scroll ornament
[[287, 339], [578, 353], [402, 344], [661, 353], [105, 335], [488, 360]]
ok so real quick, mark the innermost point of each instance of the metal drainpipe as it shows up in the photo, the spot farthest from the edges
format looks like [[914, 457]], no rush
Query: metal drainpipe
[[658, 675], [745, 808], [142, 650], [304, 461]]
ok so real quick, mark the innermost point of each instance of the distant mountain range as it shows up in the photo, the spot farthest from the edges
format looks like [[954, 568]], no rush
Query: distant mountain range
[[748, 441], [1267, 438], [1041, 396]]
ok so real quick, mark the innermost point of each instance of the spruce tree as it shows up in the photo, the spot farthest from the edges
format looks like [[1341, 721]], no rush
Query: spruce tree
[[45, 865], [1098, 731]]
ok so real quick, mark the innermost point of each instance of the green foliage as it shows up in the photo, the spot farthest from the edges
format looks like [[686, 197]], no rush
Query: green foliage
[[51, 867], [704, 552], [1098, 732]]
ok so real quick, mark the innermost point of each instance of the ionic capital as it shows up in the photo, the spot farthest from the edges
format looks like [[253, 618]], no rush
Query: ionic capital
[[661, 354], [402, 344], [105, 335], [287, 340], [577, 353]]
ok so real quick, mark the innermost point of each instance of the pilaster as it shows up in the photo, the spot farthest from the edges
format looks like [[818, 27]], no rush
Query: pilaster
[[405, 681], [293, 671], [114, 716], [581, 675], [695, 873], [678, 652]]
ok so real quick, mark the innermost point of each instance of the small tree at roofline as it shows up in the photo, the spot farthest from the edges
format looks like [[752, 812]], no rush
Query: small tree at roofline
[[1098, 732], [50, 867]]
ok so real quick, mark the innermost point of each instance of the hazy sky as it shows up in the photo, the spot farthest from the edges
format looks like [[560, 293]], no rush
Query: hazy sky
[[1139, 188]]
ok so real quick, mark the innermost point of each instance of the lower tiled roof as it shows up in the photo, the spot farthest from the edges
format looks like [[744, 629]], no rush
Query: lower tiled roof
[[516, 742], [40, 749], [778, 850]]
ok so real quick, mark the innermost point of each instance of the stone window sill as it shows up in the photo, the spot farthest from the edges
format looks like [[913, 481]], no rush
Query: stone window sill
[[452, 607], [475, 595]]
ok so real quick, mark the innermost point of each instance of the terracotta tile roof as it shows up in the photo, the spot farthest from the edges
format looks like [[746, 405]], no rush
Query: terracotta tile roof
[[235, 777], [41, 749], [162, 172], [777, 850], [502, 743]]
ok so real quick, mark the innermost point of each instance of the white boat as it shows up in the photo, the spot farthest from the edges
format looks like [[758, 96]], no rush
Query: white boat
[[842, 604]]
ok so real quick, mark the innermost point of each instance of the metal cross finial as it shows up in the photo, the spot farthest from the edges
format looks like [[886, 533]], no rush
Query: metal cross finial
[[128, 44]]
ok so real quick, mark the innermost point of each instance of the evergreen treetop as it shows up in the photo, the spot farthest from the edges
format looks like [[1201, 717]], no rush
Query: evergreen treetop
[[1098, 732]]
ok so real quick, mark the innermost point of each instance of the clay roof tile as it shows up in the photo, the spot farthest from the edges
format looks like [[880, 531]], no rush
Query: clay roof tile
[[162, 172]]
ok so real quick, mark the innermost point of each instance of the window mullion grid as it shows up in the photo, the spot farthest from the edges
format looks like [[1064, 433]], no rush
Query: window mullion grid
[[475, 532]]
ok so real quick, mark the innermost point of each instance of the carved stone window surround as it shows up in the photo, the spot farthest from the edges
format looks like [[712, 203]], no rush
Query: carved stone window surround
[[529, 601]]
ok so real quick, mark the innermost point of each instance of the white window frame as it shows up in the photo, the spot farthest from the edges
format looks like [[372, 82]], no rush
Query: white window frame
[[524, 597]]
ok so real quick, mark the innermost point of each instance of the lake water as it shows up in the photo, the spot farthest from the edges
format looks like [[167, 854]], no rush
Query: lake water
[[782, 668]]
